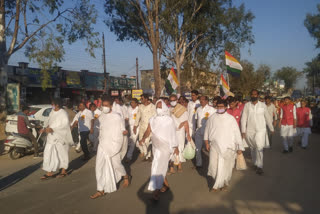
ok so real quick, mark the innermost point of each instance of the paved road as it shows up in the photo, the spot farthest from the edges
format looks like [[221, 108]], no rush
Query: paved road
[[289, 185]]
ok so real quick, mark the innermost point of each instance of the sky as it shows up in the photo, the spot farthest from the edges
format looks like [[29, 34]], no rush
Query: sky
[[280, 40]]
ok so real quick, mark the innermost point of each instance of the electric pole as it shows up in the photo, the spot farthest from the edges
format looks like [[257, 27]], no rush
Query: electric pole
[[137, 73], [104, 65]]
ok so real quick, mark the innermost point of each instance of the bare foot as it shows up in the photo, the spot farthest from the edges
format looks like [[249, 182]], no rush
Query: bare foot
[[126, 182], [97, 195]]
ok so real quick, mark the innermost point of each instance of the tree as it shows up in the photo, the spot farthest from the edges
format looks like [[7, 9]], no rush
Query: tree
[[248, 80], [312, 72], [289, 75], [203, 26], [136, 20], [312, 23], [42, 27]]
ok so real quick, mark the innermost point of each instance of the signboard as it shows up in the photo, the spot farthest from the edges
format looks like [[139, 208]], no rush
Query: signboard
[[73, 79], [114, 93], [137, 93], [94, 81], [13, 97], [34, 77]]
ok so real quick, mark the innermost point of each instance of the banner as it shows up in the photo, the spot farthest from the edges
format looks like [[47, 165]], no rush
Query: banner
[[137, 93], [13, 97]]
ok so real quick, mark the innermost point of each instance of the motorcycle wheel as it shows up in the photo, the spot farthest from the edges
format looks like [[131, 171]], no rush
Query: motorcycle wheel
[[14, 155]]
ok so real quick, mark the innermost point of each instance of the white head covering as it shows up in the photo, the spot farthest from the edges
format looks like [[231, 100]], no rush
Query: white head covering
[[165, 109], [163, 127]]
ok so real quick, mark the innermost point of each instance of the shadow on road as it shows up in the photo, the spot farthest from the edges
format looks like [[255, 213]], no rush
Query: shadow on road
[[76, 164], [18, 176], [162, 206]]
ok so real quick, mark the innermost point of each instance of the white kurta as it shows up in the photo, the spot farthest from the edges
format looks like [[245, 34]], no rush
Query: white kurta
[[163, 142], [254, 122], [223, 134], [202, 115], [181, 133], [55, 154], [109, 168]]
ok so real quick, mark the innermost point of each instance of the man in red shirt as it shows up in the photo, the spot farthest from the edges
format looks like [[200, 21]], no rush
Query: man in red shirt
[[288, 124], [234, 109], [304, 122], [23, 128]]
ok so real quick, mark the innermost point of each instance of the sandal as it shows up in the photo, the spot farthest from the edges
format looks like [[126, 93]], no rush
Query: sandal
[[129, 181], [164, 188], [213, 190], [98, 194], [62, 175], [46, 177]]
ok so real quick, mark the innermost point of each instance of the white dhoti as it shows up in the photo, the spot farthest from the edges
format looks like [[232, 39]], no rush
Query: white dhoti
[[55, 157], [124, 147], [220, 167], [159, 168], [109, 171], [304, 134], [257, 141], [181, 137]]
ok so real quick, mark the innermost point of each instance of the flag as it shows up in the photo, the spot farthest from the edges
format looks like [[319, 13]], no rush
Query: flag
[[233, 66], [224, 87], [172, 82]]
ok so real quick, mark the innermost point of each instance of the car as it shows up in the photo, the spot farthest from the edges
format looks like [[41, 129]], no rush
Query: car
[[37, 113]]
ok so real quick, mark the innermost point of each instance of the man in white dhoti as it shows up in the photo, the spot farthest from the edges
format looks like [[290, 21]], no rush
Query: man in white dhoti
[[94, 131], [192, 108], [223, 141], [132, 115], [109, 169], [145, 112], [164, 144], [179, 115], [254, 121], [202, 115], [59, 139], [287, 124], [273, 114]]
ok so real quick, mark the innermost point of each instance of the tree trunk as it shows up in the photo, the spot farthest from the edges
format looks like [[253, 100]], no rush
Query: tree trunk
[[156, 71], [3, 55], [178, 76]]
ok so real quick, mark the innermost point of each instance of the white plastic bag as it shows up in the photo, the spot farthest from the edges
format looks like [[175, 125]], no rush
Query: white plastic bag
[[189, 151]]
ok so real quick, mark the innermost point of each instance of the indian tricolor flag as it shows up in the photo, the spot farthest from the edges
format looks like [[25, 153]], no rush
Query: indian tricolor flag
[[233, 66], [171, 82], [224, 87]]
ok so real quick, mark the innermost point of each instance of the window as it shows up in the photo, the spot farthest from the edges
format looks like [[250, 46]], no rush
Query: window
[[46, 112]]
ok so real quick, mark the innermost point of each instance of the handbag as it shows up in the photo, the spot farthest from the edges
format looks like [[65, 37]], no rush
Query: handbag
[[241, 162]]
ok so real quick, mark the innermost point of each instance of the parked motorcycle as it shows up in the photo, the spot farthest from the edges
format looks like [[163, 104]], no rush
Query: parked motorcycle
[[19, 146]]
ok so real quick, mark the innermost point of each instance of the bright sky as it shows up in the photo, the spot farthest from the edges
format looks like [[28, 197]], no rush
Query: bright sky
[[280, 40]]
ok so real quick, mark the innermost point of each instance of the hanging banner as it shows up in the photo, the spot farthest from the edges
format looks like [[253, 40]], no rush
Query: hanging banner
[[137, 93]]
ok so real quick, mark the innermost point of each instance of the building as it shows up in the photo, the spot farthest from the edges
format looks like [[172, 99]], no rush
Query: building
[[74, 85]]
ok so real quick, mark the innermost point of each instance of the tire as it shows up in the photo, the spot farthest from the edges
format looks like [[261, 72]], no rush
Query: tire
[[14, 155]]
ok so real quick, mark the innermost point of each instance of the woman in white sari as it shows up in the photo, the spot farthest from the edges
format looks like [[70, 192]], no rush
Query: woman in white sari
[[164, 144]]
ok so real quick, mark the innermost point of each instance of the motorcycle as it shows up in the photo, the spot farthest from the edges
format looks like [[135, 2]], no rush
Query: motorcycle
[[19, 146]]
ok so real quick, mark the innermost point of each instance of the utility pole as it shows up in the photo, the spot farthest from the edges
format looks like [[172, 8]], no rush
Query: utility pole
[[137, 73], [104, 65]]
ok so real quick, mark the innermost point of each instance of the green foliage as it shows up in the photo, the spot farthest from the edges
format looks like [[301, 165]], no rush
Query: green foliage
[[45, 26], [289, 75], [248, 80], [312, 72], [312, 23]]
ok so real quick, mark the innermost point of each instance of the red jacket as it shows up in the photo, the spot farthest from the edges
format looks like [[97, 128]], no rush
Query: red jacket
[[236, 113], [303, 117], [287, 115]]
